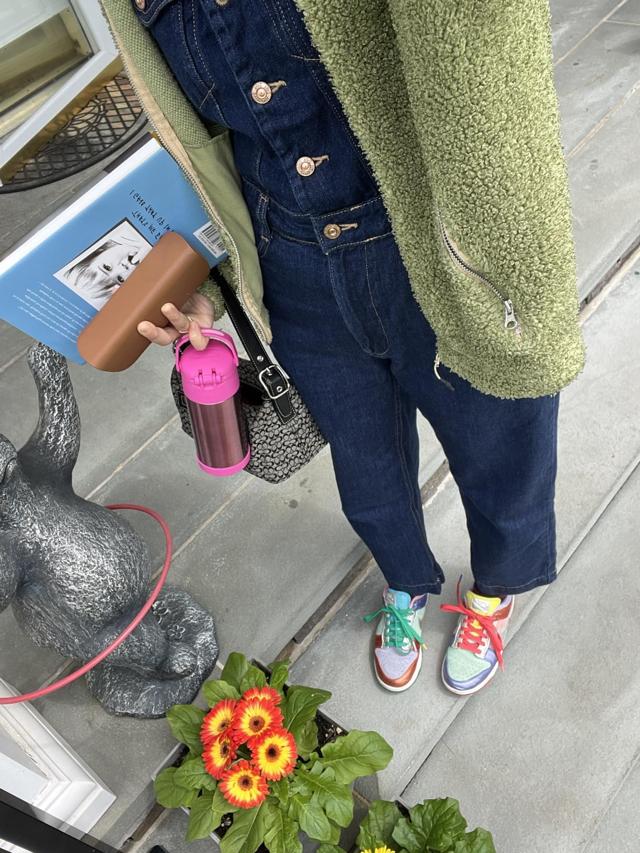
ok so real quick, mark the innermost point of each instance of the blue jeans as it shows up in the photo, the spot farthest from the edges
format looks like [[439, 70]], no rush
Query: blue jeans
[[355, 342]]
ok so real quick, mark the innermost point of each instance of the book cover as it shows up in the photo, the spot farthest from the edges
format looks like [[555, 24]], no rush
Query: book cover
[[55, 281]]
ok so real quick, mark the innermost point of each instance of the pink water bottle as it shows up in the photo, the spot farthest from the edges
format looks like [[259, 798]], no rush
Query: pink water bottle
[[211, 386]]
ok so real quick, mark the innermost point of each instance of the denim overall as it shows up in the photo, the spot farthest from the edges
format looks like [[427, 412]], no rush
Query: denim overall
[[345, 324]]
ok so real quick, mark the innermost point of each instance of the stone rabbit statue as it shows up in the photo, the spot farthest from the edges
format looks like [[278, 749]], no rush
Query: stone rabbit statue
[[76, 573]]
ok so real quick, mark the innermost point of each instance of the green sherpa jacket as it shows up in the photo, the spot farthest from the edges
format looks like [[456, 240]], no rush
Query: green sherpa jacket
[[454, 106]]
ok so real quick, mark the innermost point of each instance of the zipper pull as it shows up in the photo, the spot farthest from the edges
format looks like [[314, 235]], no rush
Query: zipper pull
[[436, 364], [510, 319]]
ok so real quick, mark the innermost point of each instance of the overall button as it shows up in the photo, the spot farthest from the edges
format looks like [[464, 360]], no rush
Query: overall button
[[332, 231], [305, 166], [222, 2], [261, 92], [141, 4]]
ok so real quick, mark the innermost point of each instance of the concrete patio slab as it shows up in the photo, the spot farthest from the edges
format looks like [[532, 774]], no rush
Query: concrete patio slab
[[595, 78], [619, 828], [571, 21], [599, 440], [560, 728], [628, 13], [12, 344], [605, 182]]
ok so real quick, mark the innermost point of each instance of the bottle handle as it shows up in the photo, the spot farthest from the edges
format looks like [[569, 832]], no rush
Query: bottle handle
[[213, 334]]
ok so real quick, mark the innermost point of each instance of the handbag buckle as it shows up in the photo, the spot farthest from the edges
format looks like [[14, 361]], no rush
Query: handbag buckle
[[278, 390]]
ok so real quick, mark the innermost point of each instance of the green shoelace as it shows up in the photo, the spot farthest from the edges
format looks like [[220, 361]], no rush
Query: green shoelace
[[397, 629]]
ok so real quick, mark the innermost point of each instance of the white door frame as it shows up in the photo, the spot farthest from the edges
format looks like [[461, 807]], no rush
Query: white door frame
[[105, 51], [61, 784]]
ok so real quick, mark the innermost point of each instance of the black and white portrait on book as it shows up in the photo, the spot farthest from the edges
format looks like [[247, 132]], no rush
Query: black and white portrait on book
[[99, 270]]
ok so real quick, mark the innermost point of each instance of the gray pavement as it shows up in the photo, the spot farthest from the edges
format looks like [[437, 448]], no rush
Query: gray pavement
[[231, 536]]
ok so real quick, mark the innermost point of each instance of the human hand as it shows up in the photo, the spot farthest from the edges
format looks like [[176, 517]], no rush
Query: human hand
[[196, 314]]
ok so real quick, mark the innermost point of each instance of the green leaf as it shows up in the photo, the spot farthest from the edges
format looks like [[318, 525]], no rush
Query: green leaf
[[169, 793], [253, 677], [185, 722], [280, 790], [246, 833], [216, 690], [334, 798], [478, 841], [377, 827], [192, 774], [222, 806], [202, 819], [314, 822], [299, 708], [279, 674], [235, 669], [357, 754], [281, 833], [307, 738], [440, 821], [409, 836]]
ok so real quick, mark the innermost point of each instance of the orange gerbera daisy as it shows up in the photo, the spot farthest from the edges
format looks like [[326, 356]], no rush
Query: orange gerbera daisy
[[254, 717], [218, 720], [275, 754], [218, 755], [243, 786], [265, 694]]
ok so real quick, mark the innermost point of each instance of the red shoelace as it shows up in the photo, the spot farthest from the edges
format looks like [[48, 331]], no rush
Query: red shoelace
[[471, 635]]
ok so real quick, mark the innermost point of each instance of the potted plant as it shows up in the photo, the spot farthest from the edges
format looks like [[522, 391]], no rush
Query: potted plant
[[255, 771], [433, 826]]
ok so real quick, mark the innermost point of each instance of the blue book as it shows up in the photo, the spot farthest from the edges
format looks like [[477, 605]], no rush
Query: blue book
[[55, 281]]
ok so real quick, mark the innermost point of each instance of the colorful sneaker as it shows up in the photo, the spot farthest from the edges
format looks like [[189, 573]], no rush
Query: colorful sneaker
[[475, 654], [398, 644]]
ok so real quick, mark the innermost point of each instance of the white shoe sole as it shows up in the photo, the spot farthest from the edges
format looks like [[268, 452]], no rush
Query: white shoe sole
[[405, 686]]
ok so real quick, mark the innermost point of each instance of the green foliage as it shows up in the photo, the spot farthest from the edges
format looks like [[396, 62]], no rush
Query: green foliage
[[281, 832], [299, 709], [357, 754], [247, 831], [435, 826], [192, 774], [279, 674], [185, 722], [169, 793], [216, 690], [376, 829], [315, 799]]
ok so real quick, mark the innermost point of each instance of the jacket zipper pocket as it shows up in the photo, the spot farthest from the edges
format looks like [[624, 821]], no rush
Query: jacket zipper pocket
[[511, 322]]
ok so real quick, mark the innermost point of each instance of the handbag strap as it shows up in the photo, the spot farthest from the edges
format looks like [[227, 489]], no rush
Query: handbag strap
[[270, 375]]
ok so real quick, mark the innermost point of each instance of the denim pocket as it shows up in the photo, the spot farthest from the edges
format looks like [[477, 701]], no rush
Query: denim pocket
[[184, 38], [359, 275]]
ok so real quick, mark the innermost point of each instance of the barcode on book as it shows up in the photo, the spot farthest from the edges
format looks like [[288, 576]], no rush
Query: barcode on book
[[210, 237]]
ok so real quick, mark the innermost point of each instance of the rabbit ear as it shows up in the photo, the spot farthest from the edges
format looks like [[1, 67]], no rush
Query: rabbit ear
[[53, 447]]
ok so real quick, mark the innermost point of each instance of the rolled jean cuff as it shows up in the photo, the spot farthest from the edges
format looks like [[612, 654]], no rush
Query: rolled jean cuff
[[501, 590]]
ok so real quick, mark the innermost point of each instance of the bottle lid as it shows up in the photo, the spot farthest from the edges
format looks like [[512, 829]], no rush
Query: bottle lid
[[210, 375]]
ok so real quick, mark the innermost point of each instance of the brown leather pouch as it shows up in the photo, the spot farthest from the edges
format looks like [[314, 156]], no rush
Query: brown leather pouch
[[170, 272]]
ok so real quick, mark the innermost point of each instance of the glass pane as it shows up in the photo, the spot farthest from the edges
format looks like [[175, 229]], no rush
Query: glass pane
[[41, 41]]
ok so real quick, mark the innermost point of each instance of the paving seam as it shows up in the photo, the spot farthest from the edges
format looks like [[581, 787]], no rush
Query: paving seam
[[589, 34], [529, 607]]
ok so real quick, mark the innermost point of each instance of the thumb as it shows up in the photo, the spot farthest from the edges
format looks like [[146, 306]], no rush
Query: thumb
[[197, 339]]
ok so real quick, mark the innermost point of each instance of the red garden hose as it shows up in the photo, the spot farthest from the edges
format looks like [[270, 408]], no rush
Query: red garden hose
[[78, 673]]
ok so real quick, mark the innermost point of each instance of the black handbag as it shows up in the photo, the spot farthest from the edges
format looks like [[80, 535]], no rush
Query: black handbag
[[283, 435]]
